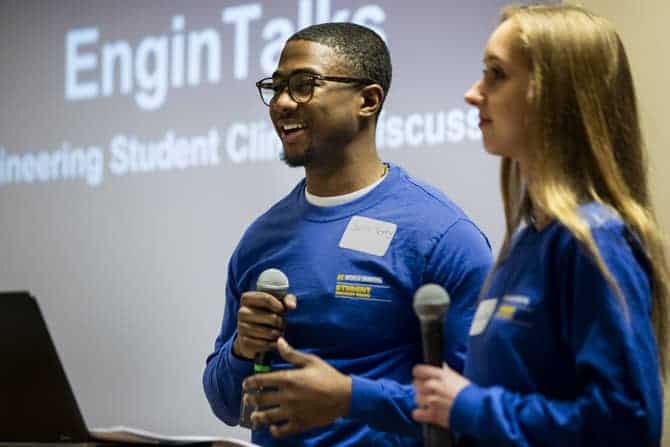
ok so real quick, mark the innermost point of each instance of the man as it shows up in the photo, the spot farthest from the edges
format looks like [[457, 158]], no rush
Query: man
[[356, 238]]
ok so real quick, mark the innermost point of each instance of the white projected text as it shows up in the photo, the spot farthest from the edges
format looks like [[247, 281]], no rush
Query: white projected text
[[147, 70]]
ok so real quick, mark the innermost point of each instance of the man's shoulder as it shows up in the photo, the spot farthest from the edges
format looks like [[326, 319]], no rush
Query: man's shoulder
[[286, 208], [421, 200], [428, 215]]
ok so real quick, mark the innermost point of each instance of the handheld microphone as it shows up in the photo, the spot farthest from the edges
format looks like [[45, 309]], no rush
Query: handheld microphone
[[431, 303], [274, 282]]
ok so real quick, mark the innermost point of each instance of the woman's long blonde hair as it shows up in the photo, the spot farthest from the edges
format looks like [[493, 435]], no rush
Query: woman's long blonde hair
[[585, 139]]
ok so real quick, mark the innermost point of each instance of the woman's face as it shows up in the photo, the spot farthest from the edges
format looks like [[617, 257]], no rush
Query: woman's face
[[501, 95]]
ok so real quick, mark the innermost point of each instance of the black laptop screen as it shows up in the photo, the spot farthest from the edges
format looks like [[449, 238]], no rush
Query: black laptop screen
[[37, 403]]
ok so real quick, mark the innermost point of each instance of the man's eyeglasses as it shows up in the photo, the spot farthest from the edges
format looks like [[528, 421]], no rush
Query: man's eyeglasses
[[300, 86]]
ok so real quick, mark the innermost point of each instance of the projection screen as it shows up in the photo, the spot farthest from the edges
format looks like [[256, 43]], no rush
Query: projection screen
[[134, 151]]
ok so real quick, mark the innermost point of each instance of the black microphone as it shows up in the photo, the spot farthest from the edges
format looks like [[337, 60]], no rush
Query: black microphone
[[274, 282], [431, 303]]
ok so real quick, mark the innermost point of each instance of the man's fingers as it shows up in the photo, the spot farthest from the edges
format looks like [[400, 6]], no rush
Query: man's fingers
[[291, 355], [259, 332], [265, 399], [290, 428], [269, 416], [276, 379], [290, 302], [262, 300], [260, 317], [257, 345]]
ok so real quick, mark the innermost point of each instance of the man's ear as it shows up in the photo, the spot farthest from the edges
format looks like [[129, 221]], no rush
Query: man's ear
[[372, 97]]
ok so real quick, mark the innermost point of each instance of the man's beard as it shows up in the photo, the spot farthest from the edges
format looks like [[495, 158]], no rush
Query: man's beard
[[297, 160]]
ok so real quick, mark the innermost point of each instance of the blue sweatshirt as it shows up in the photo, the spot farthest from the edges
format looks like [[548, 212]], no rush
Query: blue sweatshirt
[[354, 269], [554, 357]]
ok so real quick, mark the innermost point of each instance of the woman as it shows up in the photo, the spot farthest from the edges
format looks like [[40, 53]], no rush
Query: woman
[[563, 346]]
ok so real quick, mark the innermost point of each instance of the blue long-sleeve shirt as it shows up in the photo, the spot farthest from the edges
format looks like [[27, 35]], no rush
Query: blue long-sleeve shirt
[[554, 357], [355, 304]]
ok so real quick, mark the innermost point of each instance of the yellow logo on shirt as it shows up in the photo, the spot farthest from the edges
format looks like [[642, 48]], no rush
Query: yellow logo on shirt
[[357, 286], [353, 291], [506, 311]]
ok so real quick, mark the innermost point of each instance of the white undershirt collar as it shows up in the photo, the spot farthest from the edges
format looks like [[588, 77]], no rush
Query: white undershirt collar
[[342, 199]]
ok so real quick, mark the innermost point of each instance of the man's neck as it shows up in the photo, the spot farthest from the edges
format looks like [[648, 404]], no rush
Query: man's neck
[[346, 176]]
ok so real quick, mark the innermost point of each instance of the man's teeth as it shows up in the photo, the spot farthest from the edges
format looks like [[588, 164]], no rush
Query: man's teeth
[[288, 127]]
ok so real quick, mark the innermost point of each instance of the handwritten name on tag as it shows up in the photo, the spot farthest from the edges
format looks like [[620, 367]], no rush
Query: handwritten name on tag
[[368, 235]]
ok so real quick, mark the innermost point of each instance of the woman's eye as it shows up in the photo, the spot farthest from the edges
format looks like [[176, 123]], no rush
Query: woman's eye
[[494, 74]]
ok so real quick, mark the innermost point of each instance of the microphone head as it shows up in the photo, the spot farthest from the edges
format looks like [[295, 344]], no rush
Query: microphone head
[[272, 281], [430, 302]]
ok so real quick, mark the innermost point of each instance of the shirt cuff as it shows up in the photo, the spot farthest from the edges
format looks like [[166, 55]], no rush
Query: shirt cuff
[[464, 416], [364, 398], [240, 367]]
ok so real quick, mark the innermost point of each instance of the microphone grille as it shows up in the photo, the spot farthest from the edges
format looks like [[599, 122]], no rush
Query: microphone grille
[[430, 302], [272, 280]]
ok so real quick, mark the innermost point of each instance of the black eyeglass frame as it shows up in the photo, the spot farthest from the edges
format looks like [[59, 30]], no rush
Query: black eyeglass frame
[[268, 84]]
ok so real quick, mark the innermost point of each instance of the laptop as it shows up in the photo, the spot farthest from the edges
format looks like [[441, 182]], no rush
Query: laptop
[[36, 400]]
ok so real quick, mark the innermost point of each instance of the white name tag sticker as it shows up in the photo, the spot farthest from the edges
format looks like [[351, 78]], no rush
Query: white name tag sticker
[[482, 316], [368, 235]]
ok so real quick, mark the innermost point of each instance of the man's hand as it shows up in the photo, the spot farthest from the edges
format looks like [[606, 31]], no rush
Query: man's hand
[[312, 395], [260, 322], [436, 389]]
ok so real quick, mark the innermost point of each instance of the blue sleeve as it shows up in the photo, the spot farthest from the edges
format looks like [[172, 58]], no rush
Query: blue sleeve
[[384, 405], [618, 393], [224, 371], [459, 261]]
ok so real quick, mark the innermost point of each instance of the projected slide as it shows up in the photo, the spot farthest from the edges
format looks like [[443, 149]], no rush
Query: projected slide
[[135, 150]]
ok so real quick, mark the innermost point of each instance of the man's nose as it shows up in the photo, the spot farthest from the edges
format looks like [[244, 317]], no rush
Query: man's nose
[[283, 100]]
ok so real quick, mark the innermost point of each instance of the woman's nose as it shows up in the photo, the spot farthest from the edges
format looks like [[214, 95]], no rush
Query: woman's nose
[[474, 96]]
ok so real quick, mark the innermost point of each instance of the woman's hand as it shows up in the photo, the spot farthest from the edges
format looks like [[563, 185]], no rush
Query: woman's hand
[[436, 389]]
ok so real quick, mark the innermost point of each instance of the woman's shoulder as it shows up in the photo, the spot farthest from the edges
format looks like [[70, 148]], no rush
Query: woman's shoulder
[[558, 242], [601, 217]]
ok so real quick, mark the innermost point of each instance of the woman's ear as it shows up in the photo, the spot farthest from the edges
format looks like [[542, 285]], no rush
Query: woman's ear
[[372, 97]]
